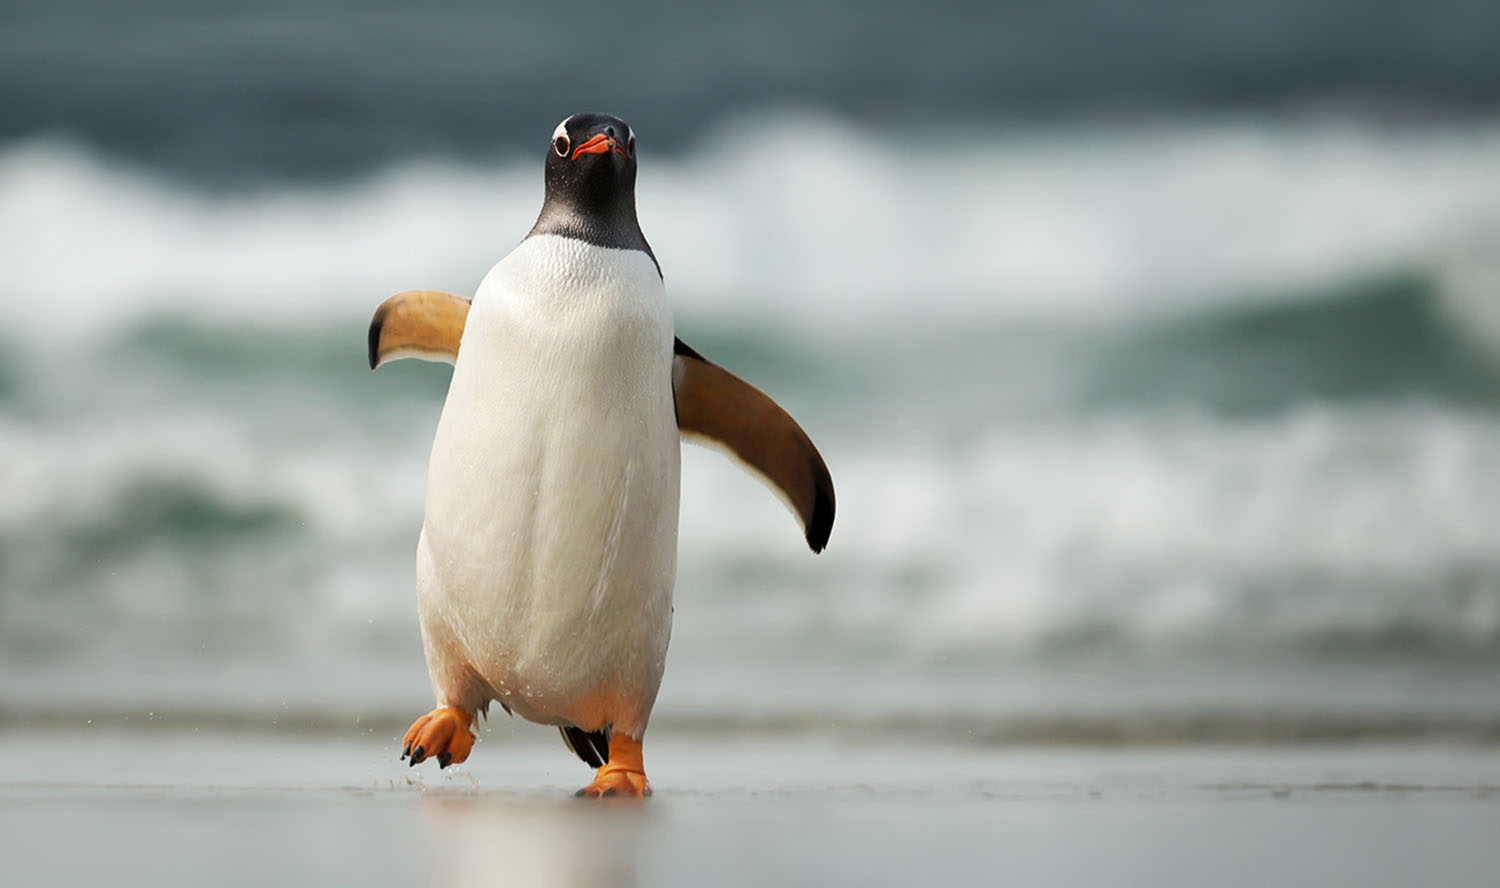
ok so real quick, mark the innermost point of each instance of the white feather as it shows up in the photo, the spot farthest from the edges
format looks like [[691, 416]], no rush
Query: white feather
[[432, 356], [549, 546]]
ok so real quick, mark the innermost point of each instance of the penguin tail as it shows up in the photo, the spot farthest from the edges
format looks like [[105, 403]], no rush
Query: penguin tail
[[591, 746]]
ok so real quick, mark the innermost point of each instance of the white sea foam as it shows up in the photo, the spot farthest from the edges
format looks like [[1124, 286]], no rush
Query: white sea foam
[[1156, 530], [1314, 525], [792, 219]]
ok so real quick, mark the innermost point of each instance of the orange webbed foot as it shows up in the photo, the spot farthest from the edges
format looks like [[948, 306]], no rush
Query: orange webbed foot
[[618, 782], [624, 775], [442, 734]]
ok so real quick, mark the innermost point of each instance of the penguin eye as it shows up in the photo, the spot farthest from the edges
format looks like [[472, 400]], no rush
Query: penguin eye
[[560, 145], [630, 145]]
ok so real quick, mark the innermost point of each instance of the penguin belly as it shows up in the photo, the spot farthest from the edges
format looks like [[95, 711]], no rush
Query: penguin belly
[[548, 550]]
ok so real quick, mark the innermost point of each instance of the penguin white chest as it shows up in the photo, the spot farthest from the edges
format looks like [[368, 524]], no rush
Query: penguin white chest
[[549, 544]]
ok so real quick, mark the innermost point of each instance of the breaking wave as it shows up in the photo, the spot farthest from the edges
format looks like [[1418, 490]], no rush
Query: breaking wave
[[803, 222]]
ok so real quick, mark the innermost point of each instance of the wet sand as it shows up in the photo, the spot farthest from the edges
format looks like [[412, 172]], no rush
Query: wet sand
[[184, 808]]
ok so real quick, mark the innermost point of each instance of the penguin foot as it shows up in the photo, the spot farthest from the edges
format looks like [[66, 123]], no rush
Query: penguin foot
[[611, 782], [441, 734], [624, 775]]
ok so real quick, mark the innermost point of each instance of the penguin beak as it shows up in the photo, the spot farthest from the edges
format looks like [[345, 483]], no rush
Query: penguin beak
[[599, 144]]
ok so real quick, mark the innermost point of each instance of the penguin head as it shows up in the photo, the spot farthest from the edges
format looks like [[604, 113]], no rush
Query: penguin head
[[590, 173], [591, 165]]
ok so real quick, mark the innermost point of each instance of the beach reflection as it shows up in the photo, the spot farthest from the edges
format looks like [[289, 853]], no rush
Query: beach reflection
[[537, 842]]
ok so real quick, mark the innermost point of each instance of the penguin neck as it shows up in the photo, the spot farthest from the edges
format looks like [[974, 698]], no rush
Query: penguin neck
[[612, 224]]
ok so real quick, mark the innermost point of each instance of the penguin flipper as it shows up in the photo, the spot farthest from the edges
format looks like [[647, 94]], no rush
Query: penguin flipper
[[423, 324], [717, 408]]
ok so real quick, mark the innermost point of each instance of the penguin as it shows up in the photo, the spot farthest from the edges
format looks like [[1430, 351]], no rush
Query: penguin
[[548, 550]]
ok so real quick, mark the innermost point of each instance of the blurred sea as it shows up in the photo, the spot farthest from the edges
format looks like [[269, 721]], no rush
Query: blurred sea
[[1158, 367]]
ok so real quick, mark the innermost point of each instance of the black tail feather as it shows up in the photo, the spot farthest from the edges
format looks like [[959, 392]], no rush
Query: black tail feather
[[591, 746]]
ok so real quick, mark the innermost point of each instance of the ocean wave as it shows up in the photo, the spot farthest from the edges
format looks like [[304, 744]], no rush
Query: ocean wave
[[802, 222], [1402, 336], [1322, 532], [1332, 532], [1204, 390], [1399, 338]]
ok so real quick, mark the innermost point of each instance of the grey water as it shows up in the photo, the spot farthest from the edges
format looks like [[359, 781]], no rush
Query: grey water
[[1156, 369]]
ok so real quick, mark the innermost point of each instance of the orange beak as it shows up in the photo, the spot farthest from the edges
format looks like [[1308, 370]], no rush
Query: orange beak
[[599, 144]]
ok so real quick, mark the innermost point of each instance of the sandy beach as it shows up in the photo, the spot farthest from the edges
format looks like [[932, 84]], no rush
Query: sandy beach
[[154, 807]]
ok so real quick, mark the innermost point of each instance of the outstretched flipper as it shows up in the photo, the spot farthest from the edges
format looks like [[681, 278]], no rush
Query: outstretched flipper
[[717, 408], [714, 407], [423, 324]]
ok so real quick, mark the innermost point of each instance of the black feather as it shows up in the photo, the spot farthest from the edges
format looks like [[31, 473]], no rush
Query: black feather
[[821, 525], [375, 325]]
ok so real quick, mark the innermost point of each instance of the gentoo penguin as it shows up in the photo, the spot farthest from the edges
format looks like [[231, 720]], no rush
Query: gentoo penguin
[[548, 548]]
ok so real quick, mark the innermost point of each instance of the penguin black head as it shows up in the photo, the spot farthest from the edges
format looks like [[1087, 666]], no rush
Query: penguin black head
[[590, 174], [591, 162]]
